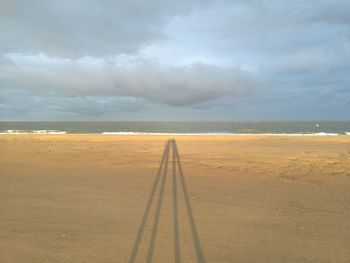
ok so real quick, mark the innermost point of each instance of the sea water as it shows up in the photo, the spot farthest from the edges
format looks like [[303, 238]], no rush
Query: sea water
[[296, 128]]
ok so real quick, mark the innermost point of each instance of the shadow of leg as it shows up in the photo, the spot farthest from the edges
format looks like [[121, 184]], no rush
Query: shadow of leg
[[158, 209], [140, 231], [177, 252], [196, 241]]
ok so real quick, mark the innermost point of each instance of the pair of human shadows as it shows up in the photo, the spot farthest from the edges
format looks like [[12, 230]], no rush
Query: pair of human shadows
[[161, 177]]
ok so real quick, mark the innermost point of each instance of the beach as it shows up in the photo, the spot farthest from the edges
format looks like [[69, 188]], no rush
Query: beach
[[90, 198]]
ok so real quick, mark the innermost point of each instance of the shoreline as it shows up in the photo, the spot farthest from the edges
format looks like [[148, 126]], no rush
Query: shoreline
[[4, 138], [320, 134]]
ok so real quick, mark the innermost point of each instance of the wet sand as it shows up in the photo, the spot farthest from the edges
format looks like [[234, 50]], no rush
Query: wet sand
[[95, 198]]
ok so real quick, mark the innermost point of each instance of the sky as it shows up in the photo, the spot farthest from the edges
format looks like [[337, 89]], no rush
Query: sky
[[174, 60]]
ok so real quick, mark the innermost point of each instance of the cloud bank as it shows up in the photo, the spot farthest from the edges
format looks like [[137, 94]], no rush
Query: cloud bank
[[226, 59], [126, 76]]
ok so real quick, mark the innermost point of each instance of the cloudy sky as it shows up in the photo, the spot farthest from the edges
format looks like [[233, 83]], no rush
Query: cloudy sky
[[174, 60]]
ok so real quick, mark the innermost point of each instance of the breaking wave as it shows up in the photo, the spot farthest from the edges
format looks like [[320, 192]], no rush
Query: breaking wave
[[33, 132]]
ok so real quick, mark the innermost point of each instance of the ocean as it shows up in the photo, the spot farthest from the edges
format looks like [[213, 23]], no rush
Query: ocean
[[179, 127]]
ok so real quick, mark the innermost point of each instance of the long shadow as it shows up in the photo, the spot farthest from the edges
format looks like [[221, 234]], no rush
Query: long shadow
[[158, 209], [177, 252], [162, 175], [196, 241], [148, 205]]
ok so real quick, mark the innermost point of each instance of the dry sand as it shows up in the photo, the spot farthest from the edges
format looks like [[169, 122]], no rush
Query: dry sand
[[83, 198]]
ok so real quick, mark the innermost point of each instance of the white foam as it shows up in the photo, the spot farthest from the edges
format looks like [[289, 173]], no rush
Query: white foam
[[33, 132], [347, 133], [49, 132]]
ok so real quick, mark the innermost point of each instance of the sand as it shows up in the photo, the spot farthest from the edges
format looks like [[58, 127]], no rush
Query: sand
[[85, 198]]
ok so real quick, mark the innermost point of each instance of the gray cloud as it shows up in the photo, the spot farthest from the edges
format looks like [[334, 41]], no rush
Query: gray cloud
[[223, 58], [19, 103], [127, 77], [185, 85], [292, 44], [79, 28]]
